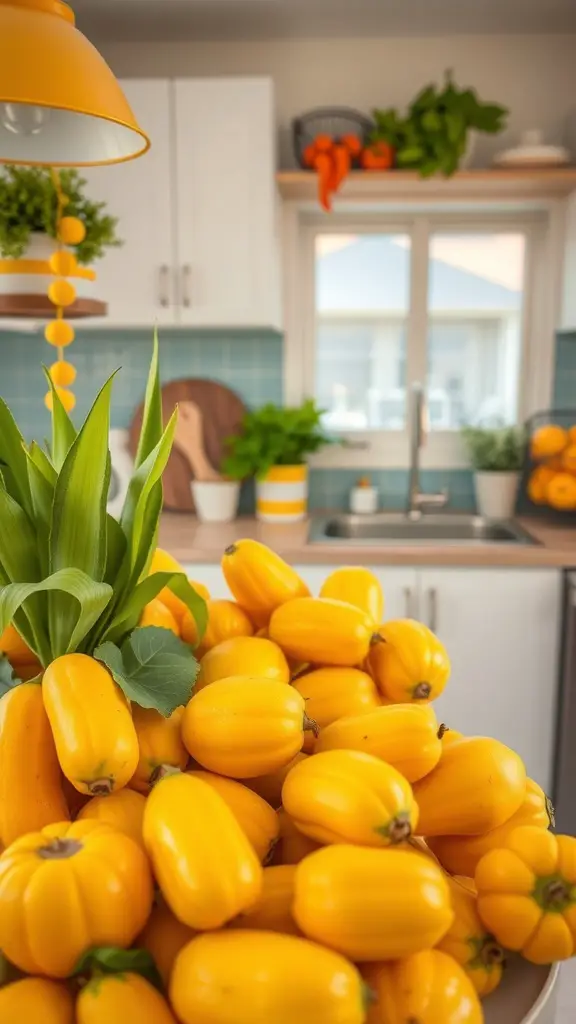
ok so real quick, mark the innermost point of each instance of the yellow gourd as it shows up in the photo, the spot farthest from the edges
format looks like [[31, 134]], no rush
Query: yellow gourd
[[236, 977], [344, 796], [256, 818], [322, 631], [410, 664], [23, 660], [269, 787], [355, 900], [292, 844], [273, 911], [527, 894], [246, 656], [259, 579], [91, 723], [478, 784], [331, 693], [164, 936], [164, 562], [226, 619], [460, 854], [123, 811], [428, 988], [156, 613], [205, 866], [121, 999], [36, 1001], [358, 586], [30, 790], [448, 735], [469, 942], [67, 888], [244, 727], [404, 735], [159, 743]]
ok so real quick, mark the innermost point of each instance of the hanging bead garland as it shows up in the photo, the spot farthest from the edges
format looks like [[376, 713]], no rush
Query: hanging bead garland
[[59, 333]]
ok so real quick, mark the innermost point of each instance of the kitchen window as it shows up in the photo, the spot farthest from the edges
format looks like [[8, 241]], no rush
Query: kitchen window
[[457, 302]]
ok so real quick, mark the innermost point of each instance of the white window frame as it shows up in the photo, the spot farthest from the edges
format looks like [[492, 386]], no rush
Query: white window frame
[[543, 224]]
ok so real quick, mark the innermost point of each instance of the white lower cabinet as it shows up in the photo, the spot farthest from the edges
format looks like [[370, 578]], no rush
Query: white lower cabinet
[[400, 586]]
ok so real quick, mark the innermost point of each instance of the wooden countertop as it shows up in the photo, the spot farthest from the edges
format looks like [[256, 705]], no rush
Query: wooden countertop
[[192, 542]]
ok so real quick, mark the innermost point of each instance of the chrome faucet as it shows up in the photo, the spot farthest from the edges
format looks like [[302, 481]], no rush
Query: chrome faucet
[[419, 429]]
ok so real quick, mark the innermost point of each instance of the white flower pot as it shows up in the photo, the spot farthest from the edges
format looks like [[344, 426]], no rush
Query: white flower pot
[[216, 501], [496, 494], [282, 496]]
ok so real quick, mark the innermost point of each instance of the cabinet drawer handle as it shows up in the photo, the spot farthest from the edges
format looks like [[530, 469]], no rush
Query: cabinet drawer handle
[[164, 286], [433, 609], [408, 602], [186, 283]]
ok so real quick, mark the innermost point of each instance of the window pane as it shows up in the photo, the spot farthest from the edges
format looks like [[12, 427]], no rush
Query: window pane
[[362, 299], [474, 329]]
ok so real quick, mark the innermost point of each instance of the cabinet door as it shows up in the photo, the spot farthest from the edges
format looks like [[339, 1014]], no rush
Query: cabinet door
[[399, 586], [225, 164], [137, 279], [501, 629]]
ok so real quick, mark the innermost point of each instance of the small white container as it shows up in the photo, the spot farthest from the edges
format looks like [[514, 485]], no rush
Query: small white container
[[496, 494], [216, 501], [363, 498]]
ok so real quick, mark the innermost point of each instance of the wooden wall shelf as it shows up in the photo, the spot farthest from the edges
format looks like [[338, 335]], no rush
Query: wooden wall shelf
[[39, 307]]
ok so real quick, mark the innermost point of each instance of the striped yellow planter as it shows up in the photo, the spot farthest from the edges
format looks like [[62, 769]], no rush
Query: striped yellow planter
[[282, 496]]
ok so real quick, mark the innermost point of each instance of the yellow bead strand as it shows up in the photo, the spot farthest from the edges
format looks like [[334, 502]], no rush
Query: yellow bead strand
[[59, 333]]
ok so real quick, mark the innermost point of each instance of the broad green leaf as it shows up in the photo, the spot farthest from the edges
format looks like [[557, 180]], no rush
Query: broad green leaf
[[8, 678], [136, 506], [115, 551], [19, 561], [153, 667], [151, 430], [88, 597], [13, 458], [63, 430], [112, 960], [129, 614], [148, 534]]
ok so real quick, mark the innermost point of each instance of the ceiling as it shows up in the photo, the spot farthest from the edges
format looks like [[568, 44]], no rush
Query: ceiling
[[165, 20]]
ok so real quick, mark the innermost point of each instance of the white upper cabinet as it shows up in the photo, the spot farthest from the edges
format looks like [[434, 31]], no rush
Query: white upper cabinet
[[198, 212], [225, 200], [137, 279]]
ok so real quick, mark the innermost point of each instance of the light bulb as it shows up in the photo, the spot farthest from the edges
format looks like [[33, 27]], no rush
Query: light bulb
[[23, 118]]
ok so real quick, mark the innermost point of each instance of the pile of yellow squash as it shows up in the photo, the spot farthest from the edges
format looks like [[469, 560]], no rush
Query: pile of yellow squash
[[303, 843]]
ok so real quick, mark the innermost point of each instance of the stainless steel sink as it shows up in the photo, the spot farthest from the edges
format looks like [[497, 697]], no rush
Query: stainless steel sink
[[391, 527]]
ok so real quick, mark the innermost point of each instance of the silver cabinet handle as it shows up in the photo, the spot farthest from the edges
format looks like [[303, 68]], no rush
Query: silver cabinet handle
[[433, 609], [164, 286], [408, 602], [186, 283]]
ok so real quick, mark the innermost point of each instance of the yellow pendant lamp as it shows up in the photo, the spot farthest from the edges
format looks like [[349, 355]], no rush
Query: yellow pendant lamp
[[60, 104]]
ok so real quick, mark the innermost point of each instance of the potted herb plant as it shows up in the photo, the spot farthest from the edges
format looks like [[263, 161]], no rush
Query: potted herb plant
[[496, 457], [435, 134], [273, 446]]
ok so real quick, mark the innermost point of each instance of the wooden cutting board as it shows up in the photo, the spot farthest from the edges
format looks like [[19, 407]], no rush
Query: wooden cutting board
[[211, 412]]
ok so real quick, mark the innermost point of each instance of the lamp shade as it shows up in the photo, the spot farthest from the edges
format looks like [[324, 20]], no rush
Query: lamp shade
[[60, 104]]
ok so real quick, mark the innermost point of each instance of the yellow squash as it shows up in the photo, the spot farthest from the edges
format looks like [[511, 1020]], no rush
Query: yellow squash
[[121, 999], [36, 1001], [344, 796], [156, 613], [269, 787], [226, 619], [322, 631], [259, 579], [527, 894], [426, 988], [372, 904], [478, 784], [23, 660], [205, 866], [123, 811], [67, 888], [331, 693], [448, 735], [460, 854], [356, 585], [93, 730], [403, 735], [246, 656], [273, 912], [292, 844], [245, 727], [163, 562], [159, 743], [30, 790], [256, 818], [410, 663], [164, 936], [236, 977], [469, 942]]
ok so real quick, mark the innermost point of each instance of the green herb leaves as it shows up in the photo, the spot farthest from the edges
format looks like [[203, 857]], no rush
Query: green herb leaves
[[274, 436], [153, 668]]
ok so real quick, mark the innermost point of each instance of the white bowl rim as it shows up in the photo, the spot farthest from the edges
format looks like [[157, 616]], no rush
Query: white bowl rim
[[551, 981]]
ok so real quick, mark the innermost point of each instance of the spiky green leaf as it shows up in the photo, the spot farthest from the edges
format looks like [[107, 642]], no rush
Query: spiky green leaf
[[63, 430], [13, 458], [151, 430], [136, 514]]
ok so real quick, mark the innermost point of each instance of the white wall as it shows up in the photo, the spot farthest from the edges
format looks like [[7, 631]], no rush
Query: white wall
[[534, 75]]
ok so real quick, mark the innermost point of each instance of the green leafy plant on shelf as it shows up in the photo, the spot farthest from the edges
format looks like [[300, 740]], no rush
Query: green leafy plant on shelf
[[28, 203], [74, 579], [274, 436], [433, 136], [495, 451]]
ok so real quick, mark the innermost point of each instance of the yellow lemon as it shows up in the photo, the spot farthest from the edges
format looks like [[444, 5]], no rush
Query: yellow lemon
[[63, 374]]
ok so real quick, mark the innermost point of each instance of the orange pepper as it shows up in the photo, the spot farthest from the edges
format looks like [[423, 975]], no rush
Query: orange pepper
[[341, 161], [324, 164], [377, 157], [353, 144]]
